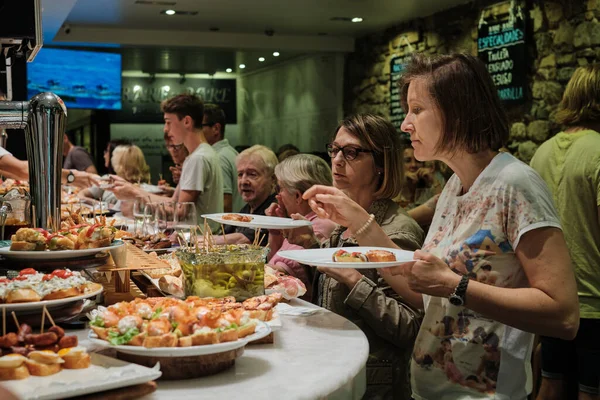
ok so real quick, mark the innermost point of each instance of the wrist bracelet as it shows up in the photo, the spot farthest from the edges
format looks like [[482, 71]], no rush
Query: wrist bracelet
[[364, 227]]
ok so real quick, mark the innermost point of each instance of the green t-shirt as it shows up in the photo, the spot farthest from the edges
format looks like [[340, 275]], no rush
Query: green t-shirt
[[570, 165]]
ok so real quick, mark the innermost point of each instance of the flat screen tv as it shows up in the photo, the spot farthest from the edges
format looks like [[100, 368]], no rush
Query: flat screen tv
[[82, 79]]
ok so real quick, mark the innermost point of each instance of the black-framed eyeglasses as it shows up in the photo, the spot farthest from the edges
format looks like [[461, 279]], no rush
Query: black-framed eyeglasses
[[349, 152], [174, 147]]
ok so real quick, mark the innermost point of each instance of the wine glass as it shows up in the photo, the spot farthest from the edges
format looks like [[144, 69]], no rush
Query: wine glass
[[138, 215], [185, 218]]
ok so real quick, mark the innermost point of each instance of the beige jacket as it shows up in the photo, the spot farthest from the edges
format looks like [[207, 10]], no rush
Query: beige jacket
[[390, 325]]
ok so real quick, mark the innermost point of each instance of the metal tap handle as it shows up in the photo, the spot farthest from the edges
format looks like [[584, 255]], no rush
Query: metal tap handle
[[4, 210]]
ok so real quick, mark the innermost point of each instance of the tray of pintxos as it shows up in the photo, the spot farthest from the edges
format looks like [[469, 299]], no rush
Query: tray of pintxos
[[158, 243], [257, 221], [349, 257], [71, 241], [33, 290]]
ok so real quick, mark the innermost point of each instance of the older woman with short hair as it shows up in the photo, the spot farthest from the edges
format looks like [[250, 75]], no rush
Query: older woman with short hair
[[295, 175]]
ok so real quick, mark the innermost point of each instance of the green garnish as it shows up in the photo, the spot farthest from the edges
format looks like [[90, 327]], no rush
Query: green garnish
[[156, 313], [174, 325], [116, 339], [97, 321]]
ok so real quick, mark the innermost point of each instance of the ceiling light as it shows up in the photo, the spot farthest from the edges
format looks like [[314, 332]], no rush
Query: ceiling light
[[170, 12], [228, 70], [357, 19], [261, 59], [242, 66], [137, 88], [275, 54], [166, 88]]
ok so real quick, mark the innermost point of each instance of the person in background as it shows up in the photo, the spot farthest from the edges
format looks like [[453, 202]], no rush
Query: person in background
[[256, 183], [129, 163], [77, 157], [213, 125], [495, 215], [178, 154], [287, 150], [201, 180], [570, 165], [366, 162], [295, 175], [108, 153]]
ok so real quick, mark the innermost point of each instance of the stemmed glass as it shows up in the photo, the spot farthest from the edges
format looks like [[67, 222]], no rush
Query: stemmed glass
[[185, 218]]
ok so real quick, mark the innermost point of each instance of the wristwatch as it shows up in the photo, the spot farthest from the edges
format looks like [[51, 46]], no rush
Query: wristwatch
[[457, 298], [70, 177]]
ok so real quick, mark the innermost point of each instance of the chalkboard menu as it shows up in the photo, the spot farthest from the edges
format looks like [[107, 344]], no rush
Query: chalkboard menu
[[141, 97], [501, 45], [397, 113]]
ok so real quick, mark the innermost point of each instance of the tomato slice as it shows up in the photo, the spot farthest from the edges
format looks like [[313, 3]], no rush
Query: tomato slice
[[4, 280], [20, 278], [47, 277], [61, 273], [27, 271]]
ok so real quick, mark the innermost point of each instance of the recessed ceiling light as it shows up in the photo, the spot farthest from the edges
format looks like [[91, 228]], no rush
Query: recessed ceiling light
[[242, 66], [170, 12], [357, 19], [137, 88], [275, 54], [166, 88], [261, 59], [228, 70]]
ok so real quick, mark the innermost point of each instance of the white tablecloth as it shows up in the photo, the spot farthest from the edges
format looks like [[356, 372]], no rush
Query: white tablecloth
[[321, 355]]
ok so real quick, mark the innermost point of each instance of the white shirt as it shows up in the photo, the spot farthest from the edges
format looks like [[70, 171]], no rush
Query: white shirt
[[476, 234], [201, 172]]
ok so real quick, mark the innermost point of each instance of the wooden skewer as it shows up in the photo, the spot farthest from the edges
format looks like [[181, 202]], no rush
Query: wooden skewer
[[49, 316], [34, 217], [224, 235], [16, 322], [3, 321], [43, 319]]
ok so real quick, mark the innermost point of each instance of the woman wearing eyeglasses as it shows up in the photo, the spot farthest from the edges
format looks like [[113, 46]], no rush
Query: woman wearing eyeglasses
[[366, 161]]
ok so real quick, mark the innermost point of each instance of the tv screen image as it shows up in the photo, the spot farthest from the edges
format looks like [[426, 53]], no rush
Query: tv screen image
[[82, 79]]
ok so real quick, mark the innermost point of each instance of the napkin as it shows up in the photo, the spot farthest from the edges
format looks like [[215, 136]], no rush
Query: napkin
[[286, 309]]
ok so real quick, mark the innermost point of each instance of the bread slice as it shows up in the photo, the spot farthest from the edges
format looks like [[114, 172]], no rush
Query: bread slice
[[138, 340], [228, 335], [101, 332], [247, 329], [23, 295], [166, 340], [62, 294], [77, 360], [200, 339], [38, 369], [22, 246], [9, 374], [94, 244]]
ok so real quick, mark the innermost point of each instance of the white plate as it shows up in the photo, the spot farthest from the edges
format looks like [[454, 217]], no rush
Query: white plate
[[262, 330], [150, 188], [105, 373], [49, 303], [57, 254], [322, 257], [260, 221]]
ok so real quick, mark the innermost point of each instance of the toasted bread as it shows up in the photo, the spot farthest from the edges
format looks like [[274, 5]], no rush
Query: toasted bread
[[95, 244], [166, 340], [23, 295], [77, 360], [23, 246], [138, 340], [380, 256], [38, 369], [62, 294], [247, 329], [8, 374], [228, 335], [199, 339], [101, 332]]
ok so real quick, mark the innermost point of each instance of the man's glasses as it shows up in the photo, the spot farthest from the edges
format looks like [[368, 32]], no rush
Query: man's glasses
[[174, 147], [349, 152]]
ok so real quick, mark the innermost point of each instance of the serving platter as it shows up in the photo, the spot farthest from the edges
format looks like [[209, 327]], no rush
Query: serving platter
[[259, 221], [262, 330], [5, 251], [323, 257], [50, 304], [105, 373]]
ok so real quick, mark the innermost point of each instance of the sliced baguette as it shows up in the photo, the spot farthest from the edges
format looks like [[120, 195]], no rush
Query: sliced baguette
[[38, 369], [77, 361], [9, 374], [23, 295], [166, 340]]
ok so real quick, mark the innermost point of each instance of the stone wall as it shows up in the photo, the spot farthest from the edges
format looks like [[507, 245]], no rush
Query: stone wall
[[562, 35]]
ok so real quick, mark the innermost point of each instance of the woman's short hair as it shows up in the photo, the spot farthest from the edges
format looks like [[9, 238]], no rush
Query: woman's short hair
[[380, 136], [302, 171], [265, 154], [110, 148], [129, 163], [580, 104], [472, 115]]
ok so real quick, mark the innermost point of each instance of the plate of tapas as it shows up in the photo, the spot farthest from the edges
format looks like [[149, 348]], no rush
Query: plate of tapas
[[349, 257], [76, 241], [257, 221], [168, 327], [32, 290]]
